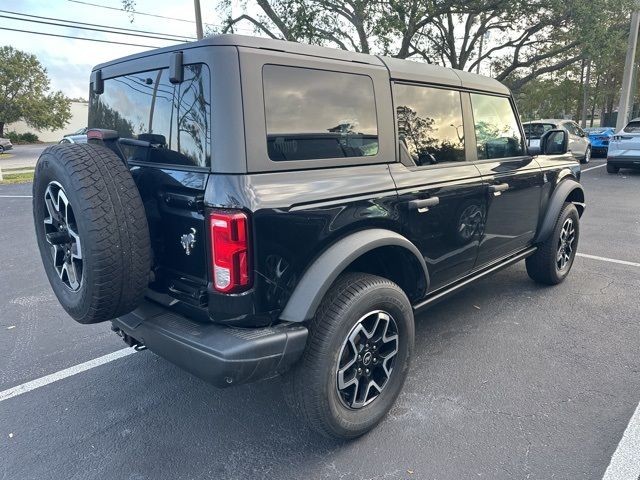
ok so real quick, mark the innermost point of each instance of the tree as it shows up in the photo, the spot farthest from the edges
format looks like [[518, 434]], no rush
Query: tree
[[24, 93]]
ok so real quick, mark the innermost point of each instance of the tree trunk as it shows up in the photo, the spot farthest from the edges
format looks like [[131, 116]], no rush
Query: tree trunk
[[1, 129]]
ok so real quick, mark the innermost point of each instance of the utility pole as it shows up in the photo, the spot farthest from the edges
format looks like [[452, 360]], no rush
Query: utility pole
[[585, 95], [626, 96], [200, 34]]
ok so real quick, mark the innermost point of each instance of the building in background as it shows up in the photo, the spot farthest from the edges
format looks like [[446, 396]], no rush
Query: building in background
[[79, 112]]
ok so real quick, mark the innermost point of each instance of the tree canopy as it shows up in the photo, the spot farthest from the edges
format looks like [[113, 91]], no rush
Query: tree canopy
[[25, 95], [520, 40]]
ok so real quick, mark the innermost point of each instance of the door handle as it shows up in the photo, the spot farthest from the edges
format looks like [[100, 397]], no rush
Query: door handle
[[424, 204], [498, 189]]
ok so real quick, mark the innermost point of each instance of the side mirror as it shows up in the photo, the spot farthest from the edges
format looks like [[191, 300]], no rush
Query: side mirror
[[554, 142]]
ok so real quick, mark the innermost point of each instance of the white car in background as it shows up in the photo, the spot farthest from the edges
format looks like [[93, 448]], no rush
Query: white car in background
[[624, 148], [579, 143], [79, 136]]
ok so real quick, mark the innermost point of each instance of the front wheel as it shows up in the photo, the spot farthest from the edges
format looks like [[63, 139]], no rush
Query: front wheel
[[357, 357], [554, 258]]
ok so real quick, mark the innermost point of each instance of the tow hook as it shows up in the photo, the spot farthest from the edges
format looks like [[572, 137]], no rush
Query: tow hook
[[137, 345]]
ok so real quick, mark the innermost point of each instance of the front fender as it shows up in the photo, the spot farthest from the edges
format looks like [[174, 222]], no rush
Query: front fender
[[317, 279], [564, 190]]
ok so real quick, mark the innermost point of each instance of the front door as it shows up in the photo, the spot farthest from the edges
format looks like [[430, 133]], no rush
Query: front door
[[441, 197], [513, 179]]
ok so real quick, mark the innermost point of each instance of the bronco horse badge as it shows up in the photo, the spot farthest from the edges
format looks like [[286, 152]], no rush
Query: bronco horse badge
[[188, 240]]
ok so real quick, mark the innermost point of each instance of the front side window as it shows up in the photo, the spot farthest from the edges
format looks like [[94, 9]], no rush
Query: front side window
[[497, 131], [316, 114], [430, 127], [173, 118]]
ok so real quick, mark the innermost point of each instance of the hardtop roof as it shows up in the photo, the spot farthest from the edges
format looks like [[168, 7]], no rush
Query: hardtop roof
[[398, 69]]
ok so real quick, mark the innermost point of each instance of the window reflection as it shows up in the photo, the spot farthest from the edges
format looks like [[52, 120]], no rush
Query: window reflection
[[173, 118], [315, 114], [430, 127], [497, 131]]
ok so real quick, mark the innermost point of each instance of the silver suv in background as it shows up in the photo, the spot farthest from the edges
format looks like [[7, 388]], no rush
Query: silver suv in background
[[624, 148], [579, 143], [5, 144], [79, 136]]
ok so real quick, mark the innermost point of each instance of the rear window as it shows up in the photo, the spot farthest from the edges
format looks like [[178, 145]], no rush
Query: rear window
[[317, 114], [172, 121], [632, 127], [536, 130]]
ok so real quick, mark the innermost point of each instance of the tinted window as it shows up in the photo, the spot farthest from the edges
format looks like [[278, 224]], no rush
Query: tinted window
[[315, 114], [571, 127], [430, 128], [536, 130], [173, 118], [632, 127], [497, 131]]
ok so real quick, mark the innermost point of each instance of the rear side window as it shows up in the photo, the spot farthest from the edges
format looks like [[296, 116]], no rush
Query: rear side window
[[316, 114], [173, 120], [497, 131], [430, 128]]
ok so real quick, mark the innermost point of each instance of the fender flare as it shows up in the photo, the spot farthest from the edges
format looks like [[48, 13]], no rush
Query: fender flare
[[557, 200], [324, 270]]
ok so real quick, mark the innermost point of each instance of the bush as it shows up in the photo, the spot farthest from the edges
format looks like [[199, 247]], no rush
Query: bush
[[18, 138]]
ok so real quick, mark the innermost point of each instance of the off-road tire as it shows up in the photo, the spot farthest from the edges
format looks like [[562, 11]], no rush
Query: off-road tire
[[310, 387], [612, 168], [111, 223], [542, 266]]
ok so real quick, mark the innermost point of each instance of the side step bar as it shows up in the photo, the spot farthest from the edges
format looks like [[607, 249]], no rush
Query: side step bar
[[474, 277]]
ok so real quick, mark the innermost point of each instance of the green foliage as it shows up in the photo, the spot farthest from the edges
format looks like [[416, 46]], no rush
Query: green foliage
[[24, 93], [18, 138]]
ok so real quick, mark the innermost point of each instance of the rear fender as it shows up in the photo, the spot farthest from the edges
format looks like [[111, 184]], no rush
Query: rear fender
[[319, 277]]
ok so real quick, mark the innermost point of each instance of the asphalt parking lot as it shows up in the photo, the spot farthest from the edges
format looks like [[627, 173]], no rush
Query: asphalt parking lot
[[510, 380]]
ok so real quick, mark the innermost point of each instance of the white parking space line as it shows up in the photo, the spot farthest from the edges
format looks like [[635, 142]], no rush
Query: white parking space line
[[592, 168], [15, 196], [67, 372], [625, 463], [610, 260]]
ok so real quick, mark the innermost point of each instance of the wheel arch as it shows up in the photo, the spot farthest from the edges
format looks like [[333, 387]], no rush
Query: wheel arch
[[567, 190], [377, 251]]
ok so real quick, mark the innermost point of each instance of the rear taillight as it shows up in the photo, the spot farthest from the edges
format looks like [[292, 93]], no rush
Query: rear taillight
[[230, 251]]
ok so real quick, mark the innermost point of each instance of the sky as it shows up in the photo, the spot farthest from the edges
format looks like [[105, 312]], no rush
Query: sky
[[69, 61]]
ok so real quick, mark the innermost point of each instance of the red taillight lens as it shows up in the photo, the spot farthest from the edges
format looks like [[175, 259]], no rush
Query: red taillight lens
[[230, 251]]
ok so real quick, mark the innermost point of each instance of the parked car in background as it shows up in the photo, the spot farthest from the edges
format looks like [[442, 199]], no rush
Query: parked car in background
[[624, 148], [600, 138], [79, 136], [5, 144], [579, 143]]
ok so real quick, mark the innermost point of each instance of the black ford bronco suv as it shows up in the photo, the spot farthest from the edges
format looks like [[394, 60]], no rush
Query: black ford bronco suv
[[249, 207]]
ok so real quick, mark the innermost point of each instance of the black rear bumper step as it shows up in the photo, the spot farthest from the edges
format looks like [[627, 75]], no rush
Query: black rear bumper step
[[221, 355]]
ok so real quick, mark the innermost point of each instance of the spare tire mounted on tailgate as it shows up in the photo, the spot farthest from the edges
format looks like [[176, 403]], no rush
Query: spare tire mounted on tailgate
[[91, 230]]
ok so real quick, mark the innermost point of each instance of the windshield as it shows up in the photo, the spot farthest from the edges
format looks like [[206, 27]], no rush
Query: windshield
[[536, 130]]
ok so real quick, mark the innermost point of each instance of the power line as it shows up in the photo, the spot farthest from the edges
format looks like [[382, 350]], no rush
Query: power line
[[179, 37], [89, 28], [77, 38], [137, 13]]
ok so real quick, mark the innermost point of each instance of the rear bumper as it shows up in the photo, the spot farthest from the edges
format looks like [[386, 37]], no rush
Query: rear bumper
[[624, 161], [223, 356]]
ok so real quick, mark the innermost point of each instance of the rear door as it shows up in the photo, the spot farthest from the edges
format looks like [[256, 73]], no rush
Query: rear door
[[165, 137], [578, 140], [513, 179], [441, 198]]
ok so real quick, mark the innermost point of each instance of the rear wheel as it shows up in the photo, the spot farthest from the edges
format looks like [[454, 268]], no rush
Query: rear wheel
[[1, 149], [554, 258], [587, 156], [612, 168], [357, 357]]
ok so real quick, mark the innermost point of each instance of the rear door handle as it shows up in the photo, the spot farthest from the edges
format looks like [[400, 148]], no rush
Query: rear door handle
[[498, 189], [424, 204]]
